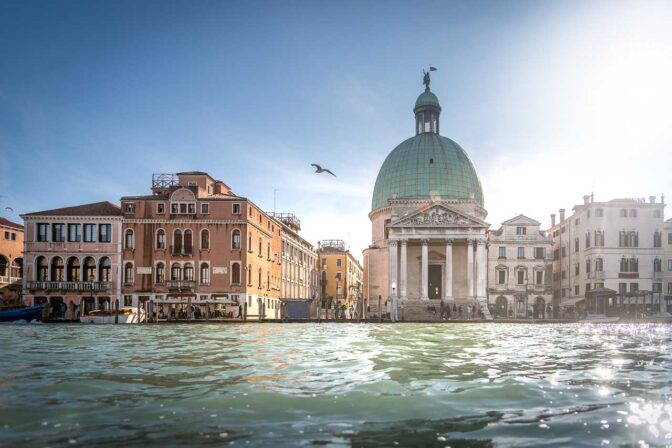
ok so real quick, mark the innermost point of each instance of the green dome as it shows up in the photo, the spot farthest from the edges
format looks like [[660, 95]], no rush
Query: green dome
[[427, 164], [427, 98]]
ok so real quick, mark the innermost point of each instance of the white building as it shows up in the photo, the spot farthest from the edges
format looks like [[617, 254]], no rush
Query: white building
[[667, 241], [615, 245], [519, 268]]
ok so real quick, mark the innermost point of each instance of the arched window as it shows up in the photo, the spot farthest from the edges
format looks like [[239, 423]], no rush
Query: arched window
[[4, 263], [41, 269], [657, 265], [249, 242], [17, 268], [177, 241], [188, 241], [249, 274], [324, 283], [72, 272], [235, 239], [587, 265], [205, 274], [259, 278], [128, 273], [57, 269], [260, 246], [205, 239], [235, 273], [129, 239], [104, 270], [268, 251], [188, 272], [160, 239], [624, 265], [599, 265], [634, 265], [268, 281], [89, 269], [176, 272], [160, 276]]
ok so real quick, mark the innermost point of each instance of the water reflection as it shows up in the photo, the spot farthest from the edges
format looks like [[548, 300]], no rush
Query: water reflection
[[341, 384]]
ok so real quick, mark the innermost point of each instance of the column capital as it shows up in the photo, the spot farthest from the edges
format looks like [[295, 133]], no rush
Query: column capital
[[449, 241], [425, 241], [480, 242], [392, 243], [404, 242]]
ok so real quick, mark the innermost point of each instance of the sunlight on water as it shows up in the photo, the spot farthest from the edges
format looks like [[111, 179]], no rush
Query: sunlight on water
[[336, 384]]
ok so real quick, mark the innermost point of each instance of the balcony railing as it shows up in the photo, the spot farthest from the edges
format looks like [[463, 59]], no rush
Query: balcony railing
[[180, 284], [71, 286], [8, 279], [187, 251]]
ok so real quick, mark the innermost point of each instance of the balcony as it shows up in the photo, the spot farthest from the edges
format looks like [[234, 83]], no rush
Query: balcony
[[70, 286], [12, 280], [181, 251], [181, 285]]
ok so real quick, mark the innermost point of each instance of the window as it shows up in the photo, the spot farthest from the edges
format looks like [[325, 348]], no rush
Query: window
[[129, 240], [501, 276], [599, 238], [521, 230], [89, 233], [338, 276], [576, 222], [174, 208], [192, 183], [74, 233], [657, 239], [41, 270], [656, 214], [205, 274], [260, 247], [205, 208], [339, 262], [634, 287], [205, 239], [177, 241], [588, 214], [669, 265], [259, 279], [521, 252], [587, 240], [539, 253], [249, 275], [576, 269], [633, 213], [160, 208], [502, 252], [57, 269], [576, 290], [669, 288], [188, 243], [576, 244], [599, 265], [628, 239], [129, 207], [191, 208], [128, 300], [105, 233], [128, 273], [599, 212], [268, 251], [520, 276], [624, 213], [235, 239], [160, 274], [176, 272], [657, 287], [587, 266], [324, 263], [58, 233], [235, 273], [657, 265], [6, 235], [188, 272], [105, 268], [539, 277], [622, 288], [89, 269], [669, 238], [160, 239]]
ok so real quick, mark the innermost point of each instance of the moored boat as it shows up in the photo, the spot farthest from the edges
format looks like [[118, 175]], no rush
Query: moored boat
[[24, 313], [599, 318], [124, 315], [660, 317]]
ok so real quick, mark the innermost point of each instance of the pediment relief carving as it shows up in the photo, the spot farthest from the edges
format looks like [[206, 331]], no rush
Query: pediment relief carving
[[437, 217]]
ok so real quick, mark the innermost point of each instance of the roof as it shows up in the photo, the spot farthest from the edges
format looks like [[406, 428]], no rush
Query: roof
[[7, 223], [522, 219], [427, 98], [195, 173], [104, 208]]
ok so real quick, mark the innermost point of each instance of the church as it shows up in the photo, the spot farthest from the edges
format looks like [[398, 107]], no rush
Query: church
[[429, 232]]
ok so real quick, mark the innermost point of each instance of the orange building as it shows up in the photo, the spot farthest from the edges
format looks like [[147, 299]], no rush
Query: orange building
[[194, 249], [11, 261]]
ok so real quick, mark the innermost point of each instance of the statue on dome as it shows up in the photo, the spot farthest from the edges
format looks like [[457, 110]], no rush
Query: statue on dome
[[426, 79]]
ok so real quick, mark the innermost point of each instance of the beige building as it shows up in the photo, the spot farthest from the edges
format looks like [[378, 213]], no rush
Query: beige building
[[341, 274], [617, 245], [11, 261], [519, 270], [667, 242]]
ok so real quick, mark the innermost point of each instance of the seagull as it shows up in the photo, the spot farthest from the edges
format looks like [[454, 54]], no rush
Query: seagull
[[319, 169], [9, 209]]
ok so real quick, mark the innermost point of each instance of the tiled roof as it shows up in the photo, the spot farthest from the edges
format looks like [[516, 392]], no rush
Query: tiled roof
[[8, 223], [104, 208]]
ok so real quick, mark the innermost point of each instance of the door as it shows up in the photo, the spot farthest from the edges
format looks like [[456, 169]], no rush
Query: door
[[434, 281]]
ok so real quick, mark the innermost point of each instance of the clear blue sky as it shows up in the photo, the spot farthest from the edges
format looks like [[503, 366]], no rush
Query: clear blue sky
[[96, 96]]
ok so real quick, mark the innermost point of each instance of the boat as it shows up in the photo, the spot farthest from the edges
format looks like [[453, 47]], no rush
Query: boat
[[124, 315], [660, 317], [24, 313], [599, 318]]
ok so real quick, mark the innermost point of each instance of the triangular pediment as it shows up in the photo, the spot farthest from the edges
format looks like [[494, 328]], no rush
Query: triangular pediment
[[438, 215], [521, 220]]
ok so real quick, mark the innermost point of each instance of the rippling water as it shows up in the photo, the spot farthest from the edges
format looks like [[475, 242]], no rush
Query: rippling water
[[451, 385]]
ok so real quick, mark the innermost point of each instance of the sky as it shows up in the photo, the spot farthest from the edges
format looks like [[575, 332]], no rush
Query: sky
[[551, 100]]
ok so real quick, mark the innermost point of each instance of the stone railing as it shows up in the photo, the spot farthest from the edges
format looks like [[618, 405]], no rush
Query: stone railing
[[71, 286], [180, 284]]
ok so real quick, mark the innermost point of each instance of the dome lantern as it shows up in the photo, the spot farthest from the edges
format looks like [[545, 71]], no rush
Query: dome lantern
[[427, 110]]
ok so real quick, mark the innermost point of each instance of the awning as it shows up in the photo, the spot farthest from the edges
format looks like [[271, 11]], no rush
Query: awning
[[571, 302]]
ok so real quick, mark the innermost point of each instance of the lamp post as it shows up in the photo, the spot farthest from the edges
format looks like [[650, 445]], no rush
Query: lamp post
[[393, 304]]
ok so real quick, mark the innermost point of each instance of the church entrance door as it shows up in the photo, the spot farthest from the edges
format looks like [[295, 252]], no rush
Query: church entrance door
[[434, 275]]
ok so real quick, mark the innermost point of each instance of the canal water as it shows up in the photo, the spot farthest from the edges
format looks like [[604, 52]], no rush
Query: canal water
[[457, 385]]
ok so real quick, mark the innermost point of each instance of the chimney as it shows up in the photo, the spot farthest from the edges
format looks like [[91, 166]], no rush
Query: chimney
[[562, 215], [586, 199], [652, 199], [552, 219]]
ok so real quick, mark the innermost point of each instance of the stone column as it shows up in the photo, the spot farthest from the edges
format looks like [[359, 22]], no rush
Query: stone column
[[481, 266], [404, 270], [470, 269], [392, 245], [449, 270], [424, 282]]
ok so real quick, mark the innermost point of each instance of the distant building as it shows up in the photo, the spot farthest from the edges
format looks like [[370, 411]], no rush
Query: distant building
[[341, 274], [73, 259], [519, 269], [194, 249], [11, 261], [667, 241], [615, 245]]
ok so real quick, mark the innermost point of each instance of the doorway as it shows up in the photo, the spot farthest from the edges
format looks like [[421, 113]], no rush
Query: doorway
[[434, 280]]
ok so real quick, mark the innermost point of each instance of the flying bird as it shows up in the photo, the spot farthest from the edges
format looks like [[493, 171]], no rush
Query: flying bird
[[9, 209], [319, 169]]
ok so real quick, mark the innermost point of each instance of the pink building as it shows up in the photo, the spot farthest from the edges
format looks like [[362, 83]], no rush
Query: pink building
[[72, 259]]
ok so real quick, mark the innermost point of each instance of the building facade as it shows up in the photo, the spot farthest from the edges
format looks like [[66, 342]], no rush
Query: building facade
[[11, 262], [617, 245], [519, 270], [667, 241], [72, 259], [341, 274], [194, 249], [428, 231], [299, 260]]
